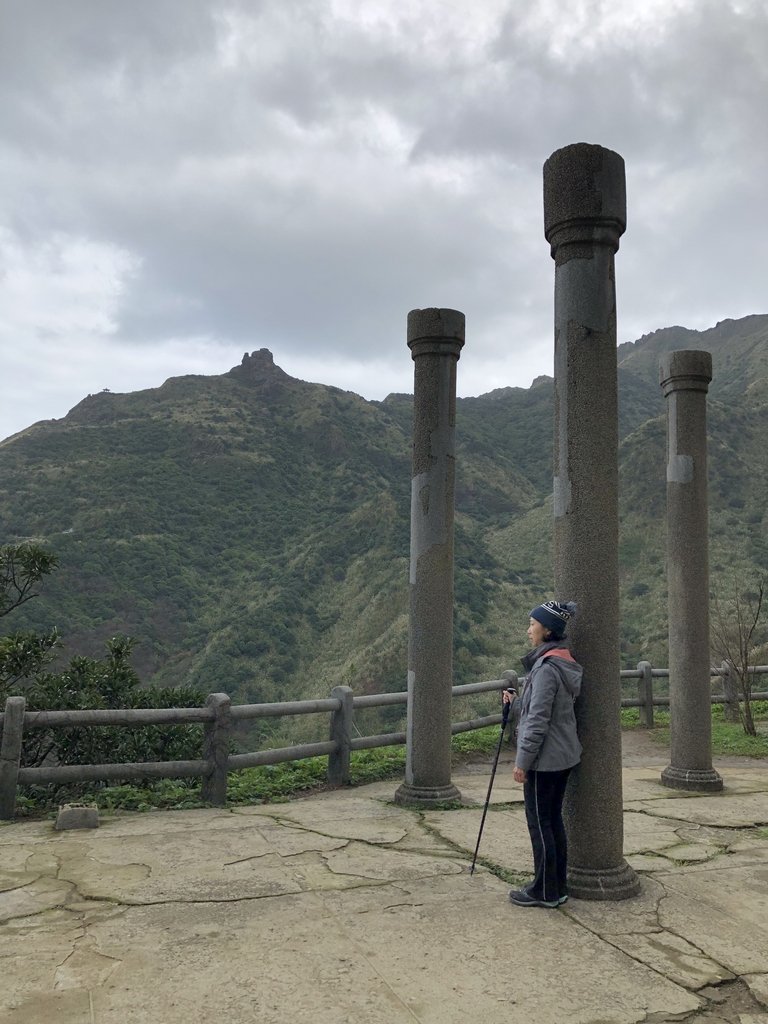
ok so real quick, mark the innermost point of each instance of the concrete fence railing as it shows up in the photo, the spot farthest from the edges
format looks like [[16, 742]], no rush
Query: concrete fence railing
[[219, 715]]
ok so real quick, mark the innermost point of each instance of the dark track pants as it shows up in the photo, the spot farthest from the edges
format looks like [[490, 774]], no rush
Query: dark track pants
[[543, 793]]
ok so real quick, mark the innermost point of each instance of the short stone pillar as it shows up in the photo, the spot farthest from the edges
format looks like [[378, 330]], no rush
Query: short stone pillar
[[435, 338], [584, 216], [73, 816], [684, 376]]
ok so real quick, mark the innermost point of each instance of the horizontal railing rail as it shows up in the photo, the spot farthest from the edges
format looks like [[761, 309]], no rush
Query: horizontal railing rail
[[219, 714]]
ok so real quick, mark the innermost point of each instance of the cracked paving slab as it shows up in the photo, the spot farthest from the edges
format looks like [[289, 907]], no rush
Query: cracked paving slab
[[673, 957], [505, 790], [85, 967], [342, 907], [369, 821], [745, 856], [505, 838], [361, 818], [725, 809], [647, 864], [637, 790], [689, 853], [636, 916], [223, 865], [43, 973], [158, 823], [649, 842], [326, 957], [726, 916], [758, 986], [504, 841], [41, 894]]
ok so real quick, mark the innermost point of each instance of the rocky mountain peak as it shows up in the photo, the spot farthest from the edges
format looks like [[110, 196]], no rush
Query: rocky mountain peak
[[259, 366]]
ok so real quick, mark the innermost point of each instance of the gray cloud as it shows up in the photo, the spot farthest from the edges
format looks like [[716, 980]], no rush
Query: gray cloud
[[300, 174]]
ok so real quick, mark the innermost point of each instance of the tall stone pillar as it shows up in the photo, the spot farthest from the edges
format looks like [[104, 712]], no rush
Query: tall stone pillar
[[684, 377], [584, 216], [435, 338]]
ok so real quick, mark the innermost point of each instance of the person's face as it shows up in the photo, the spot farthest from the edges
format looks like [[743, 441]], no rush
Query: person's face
[[537, 633]]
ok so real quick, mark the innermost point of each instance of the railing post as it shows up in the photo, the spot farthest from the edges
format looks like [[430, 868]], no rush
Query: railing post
[[341, 734], [216, 749], [10, 755], [645, 693], [731, 705], [510, 678]]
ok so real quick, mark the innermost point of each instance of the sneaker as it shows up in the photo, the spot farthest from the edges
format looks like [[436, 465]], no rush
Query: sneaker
[[523, 899], [560, 901]]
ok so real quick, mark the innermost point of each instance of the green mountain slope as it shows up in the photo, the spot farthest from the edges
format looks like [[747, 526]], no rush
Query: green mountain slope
[[251, 530]]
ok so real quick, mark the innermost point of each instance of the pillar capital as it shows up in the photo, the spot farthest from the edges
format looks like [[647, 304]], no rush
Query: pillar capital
[[435, 331], [685, 370], [585, 200]]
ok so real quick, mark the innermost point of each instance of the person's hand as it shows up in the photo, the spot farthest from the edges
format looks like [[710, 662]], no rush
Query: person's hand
[[518, 774], [507, 697]]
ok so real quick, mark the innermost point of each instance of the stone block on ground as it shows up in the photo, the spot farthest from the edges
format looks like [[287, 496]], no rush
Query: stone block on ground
[[77, 816]]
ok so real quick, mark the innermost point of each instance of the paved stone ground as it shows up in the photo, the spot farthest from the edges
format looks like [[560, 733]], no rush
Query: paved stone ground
[[341, 907]]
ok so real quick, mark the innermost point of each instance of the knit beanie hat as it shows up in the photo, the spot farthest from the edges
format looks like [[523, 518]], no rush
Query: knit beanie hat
[[554, 616]]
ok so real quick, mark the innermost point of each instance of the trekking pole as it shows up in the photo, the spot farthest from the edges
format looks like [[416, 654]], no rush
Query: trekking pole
[[504, 719]]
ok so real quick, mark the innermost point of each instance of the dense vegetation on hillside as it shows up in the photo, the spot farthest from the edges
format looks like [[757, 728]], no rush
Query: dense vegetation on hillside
[[251, 530]]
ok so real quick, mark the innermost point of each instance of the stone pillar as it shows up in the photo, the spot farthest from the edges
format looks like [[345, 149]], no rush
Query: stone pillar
[[584, 216], [684, 378], [435, 338]]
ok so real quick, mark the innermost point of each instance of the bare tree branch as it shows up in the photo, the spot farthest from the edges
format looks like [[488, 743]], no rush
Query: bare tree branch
[[733, 630]]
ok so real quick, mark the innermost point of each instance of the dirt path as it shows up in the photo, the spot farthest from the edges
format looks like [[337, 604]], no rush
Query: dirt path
[[640, 747]]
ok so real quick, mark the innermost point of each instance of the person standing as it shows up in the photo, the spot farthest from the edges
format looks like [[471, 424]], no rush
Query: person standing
[[547, 749]]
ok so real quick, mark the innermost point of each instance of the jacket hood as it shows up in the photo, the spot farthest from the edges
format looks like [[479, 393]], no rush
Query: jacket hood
[[568, 669]]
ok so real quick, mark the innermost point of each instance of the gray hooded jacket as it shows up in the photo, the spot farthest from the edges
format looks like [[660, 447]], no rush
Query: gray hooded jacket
[[547, 740]]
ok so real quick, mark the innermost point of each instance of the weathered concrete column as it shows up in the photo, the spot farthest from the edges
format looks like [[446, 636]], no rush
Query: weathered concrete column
[[435, 338], [684, 377], [584, 216]]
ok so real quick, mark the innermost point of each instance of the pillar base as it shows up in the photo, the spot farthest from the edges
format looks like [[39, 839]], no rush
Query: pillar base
[[619, 883], [426, 797], [703, 780]]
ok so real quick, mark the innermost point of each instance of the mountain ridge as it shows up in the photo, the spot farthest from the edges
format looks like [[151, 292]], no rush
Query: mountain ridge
[[252, 529]]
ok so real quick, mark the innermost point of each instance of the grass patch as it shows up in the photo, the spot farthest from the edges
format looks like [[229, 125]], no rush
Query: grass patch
[[730, 738], [759, 711], [630, 718], [479, 741]]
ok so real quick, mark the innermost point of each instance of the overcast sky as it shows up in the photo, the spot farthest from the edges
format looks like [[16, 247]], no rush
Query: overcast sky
[[185, 180]]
